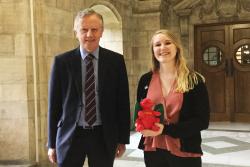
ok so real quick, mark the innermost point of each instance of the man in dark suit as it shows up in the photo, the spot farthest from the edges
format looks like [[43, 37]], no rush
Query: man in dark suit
[[71, 137]]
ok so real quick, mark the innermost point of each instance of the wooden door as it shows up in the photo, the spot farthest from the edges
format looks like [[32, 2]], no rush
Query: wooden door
[[222, 55]]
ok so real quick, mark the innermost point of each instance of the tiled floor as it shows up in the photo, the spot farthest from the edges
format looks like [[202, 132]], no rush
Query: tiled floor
[[224, 145]]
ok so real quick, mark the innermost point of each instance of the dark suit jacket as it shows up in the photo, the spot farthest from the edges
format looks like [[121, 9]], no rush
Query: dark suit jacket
[[65, 100], [194, 115]]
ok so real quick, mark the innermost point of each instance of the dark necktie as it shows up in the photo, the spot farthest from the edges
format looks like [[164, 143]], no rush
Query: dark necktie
[[90, 98]]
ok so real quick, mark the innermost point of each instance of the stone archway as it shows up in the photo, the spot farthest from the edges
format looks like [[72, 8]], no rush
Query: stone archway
[[112, 36]]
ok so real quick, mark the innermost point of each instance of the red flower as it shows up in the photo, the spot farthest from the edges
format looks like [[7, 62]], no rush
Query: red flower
[[146, 104], [147, 117]]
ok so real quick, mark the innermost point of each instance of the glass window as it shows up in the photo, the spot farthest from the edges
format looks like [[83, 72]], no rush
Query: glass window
[[242, 55], [212, 56]]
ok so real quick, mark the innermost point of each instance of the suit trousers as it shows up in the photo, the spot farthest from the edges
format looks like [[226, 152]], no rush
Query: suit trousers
[[163, 158], [88, 143]]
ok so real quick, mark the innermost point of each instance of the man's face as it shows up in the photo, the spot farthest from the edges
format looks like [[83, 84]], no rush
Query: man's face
[[89, 32]]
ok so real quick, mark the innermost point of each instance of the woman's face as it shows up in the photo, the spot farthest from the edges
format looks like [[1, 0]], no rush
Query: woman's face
[[164, 49]]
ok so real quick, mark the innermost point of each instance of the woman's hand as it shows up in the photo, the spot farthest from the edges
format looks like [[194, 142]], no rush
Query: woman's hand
[[147, 133]]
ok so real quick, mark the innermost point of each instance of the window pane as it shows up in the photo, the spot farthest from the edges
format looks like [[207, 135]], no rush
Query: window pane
[[212, 56], [243, 54]]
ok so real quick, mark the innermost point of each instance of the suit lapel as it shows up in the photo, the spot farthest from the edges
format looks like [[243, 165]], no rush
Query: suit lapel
[[76, 70], [102, 66]]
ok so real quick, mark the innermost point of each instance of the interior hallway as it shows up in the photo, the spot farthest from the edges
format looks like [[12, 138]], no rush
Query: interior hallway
[[224, 145]]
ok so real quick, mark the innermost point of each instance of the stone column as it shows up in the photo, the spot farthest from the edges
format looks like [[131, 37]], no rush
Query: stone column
[[16, 120], [147, 20]]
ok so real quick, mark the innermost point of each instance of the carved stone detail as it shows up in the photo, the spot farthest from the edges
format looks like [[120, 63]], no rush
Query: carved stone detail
[[184, 24], [165, 12], [187, 4], [227, 8], [146, 6], [207, 7], [183, 9], [245, 4]]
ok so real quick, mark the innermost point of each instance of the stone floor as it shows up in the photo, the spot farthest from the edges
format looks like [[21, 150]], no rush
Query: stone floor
[[224, 145]]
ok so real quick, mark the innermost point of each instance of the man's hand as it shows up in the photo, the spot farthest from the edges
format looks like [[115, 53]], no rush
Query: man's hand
[[120, 150], [52, 155], [147, 133]]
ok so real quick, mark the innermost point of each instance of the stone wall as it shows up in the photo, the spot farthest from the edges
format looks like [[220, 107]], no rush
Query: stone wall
[[54, 35], [15, 52], [146, 15], [32, 32]]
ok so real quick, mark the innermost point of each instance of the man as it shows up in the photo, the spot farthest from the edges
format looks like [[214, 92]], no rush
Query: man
[[88, 113]]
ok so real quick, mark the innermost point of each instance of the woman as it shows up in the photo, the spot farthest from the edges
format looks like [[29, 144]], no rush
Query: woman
[[184, 96]]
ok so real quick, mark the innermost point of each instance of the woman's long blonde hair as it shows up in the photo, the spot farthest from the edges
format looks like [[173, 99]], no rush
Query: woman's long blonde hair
[[186, 79]]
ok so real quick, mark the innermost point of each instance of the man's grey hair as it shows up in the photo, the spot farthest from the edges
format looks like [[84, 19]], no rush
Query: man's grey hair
[[86, 12]]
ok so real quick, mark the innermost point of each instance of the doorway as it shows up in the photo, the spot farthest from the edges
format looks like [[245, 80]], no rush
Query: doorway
[[222, 55], [112, 36]]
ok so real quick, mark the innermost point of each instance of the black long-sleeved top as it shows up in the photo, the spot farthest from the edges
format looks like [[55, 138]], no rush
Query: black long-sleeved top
[[194, 115]]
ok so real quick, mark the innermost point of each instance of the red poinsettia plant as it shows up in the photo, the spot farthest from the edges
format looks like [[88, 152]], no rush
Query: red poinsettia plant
[[147, 114]]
